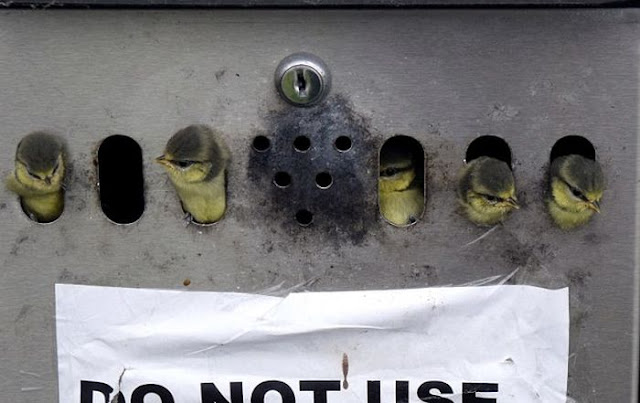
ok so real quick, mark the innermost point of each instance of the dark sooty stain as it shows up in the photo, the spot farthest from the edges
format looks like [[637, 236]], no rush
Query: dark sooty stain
[[344, 211]]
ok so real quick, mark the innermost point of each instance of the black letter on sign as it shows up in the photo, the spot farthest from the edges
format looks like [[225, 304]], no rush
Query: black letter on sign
[[285, 391], [87, 388], [211, 394], [469, 392], [319, 389], [424, 392], [373, 392], [141, 391], [402, 391]]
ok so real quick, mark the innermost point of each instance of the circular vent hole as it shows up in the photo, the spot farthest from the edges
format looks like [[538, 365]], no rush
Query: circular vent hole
[[302, 144], [261, 144], [282, 179], [343, 144], [304, 217], [324, 180]]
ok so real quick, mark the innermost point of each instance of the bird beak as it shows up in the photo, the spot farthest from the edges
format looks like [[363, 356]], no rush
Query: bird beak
[[513, 203], [594, 205], [162, 160], [47, 180]]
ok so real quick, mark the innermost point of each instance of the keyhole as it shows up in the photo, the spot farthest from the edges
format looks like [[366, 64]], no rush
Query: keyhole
[[302, 79], [301, 83]]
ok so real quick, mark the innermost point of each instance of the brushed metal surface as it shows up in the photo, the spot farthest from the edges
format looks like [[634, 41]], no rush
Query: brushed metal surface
[[316, 3], [443, 77]]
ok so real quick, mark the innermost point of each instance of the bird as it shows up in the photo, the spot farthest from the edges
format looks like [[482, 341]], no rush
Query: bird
[[196, 159], [576, 186], [38, 176], [400, 189], [487, 191]]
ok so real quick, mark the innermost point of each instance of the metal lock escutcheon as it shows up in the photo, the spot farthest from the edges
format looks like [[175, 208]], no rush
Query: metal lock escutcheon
[[302, 79]]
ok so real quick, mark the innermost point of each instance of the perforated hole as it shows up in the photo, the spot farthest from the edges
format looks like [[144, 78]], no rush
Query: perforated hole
[[121, 183], [261, 144], [573, 145], [282, 179], [489, 146], [304, 217], [302, 144], [343, 144], [401, 185], [324, 180]]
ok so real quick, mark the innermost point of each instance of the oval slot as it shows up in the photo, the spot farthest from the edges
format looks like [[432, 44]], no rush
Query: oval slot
[[489, 146], [401, 184], [573, 145], [121, 183]]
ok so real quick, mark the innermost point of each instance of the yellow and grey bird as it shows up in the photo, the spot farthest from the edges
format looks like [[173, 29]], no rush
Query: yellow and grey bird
[[400, 190], [38, 177], [487, 191], [576, 187], [196, 159]]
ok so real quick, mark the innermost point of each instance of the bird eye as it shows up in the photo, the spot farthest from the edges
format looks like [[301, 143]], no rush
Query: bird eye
[[184, 164], [35, 176], [491, 199], [577, 193], [55, 169], [389, 172]]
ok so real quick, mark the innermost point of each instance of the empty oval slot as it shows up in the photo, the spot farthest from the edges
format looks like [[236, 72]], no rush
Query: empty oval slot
[[573, 145], [489, 146], [121, 184], [401, 184]]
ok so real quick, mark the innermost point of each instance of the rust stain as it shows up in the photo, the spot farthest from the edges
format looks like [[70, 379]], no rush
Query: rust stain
[[345, 370]]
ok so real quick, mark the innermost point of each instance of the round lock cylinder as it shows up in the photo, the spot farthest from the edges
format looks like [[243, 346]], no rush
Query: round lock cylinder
[[303, 79]]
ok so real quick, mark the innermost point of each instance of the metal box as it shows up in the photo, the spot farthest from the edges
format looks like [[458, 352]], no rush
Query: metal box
[[443, 77]]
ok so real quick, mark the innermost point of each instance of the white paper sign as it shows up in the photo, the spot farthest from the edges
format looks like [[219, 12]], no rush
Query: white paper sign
[[459, 344]]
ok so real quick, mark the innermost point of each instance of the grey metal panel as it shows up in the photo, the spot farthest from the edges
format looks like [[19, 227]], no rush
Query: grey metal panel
[[443, 77], [317, 3]]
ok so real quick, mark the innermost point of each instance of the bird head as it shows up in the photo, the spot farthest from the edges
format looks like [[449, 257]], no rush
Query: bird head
[[577, 183], [397, 170], [193, 155], [39, 163], [185, 170], [492, 186]]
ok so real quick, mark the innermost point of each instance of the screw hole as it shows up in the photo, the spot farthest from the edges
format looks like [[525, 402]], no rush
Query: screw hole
[[304, 217], [282, 179], [302, 144], [573, 145], [489, 146], [343, 144], [324, 180], [261, 144]]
